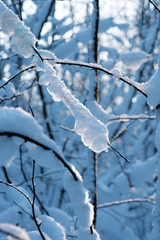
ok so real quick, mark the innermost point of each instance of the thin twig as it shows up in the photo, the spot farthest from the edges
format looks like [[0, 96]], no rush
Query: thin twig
[[156, 7], [122, 131], [33, 203], [31, 111], [35, 49], [118, 153], [28, 68], [138, 200], [26, 180], [6, 175], [8, 58], [29, 214], [26, 138], [16, 3], [66, 129], [17, 189], [119, 118]]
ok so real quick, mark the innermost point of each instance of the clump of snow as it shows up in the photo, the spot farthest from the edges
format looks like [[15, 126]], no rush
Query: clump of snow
[[80, 198], [3, 11], [9, 22], [116, 73], [53, 229], [56, 88], [61, 217], [85, 234], [22, 39], [37, 61], [152, 88], [133, 60], [45, 77], [14, 231], [98, 111], [93, 132]]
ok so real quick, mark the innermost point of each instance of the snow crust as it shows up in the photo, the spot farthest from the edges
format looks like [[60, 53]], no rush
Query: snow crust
[[79, 197], [133, 60]]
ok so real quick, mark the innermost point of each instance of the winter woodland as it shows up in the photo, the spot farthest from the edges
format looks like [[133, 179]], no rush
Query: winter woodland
[[79, 120]]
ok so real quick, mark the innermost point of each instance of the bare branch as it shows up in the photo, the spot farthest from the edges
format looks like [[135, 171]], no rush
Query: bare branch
[[6, 175], [28, 68], [156, 7], [118, 153], [33, 202], [26, 180], [17, 189], [8, 58]]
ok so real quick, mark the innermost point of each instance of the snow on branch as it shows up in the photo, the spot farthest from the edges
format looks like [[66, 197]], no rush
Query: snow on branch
[[93, 132], [100, 68], [80, 198], [22, 39], [136, 200], [14, 231], [15, 122]]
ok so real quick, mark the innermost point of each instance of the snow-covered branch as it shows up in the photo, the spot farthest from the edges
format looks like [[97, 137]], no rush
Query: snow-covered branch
[[100, 68], [15, 232], [136, 200]]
